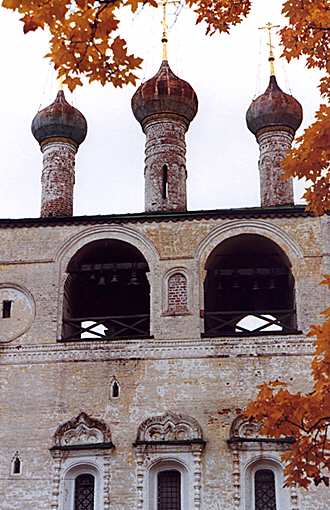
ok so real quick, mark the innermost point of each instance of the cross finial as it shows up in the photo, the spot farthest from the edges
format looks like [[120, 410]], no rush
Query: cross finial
[[164, 4], [269, 26], [165, 29]]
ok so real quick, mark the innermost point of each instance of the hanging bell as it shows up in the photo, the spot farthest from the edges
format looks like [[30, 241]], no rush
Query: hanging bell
[[255, 286], [92, 277], [236, 284], [101, 281], [114, 278]]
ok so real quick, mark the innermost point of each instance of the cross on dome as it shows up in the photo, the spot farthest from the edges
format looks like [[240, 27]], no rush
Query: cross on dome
[[269, 27]]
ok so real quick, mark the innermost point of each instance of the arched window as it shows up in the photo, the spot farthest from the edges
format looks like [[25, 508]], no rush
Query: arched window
[[264, 490], [249, 288], [84, 492], [115, 389], [165, 182], [16, 465], [169, 490], [107, 293]]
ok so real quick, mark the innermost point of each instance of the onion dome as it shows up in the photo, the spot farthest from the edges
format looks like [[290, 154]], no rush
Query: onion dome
[[274, 108], [165, 93], [59, 119]]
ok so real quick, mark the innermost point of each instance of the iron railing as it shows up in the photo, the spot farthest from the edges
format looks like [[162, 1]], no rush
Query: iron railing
[[106, 328], [228, 323]]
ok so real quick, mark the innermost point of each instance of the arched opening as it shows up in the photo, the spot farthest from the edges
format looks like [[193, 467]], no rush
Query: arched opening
[[107, 293], [169, 490], [249, 288], [16, 466], [115, 389]]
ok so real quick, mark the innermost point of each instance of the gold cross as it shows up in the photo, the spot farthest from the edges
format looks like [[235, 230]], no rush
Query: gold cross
[[269, 26], [164, 4]]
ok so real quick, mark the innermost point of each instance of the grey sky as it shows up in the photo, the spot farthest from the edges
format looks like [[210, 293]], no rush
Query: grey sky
[[221, 153]]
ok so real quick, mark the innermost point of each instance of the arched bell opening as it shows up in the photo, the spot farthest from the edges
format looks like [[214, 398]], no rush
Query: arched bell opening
[[249, 288], [107, 293]]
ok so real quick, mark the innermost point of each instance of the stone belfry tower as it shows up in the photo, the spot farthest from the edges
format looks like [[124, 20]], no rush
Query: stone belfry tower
[[60, 129], [274, 118], [165, 105]]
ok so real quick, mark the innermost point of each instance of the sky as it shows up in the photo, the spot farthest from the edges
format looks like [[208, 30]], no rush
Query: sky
[[226, 71]]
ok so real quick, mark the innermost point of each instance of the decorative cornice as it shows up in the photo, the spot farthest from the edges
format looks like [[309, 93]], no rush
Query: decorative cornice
[[295, 345], [246, 212]]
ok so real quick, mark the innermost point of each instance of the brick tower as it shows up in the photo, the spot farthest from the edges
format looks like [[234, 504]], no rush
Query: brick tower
[[60, 129], [165, 105], [274, 118]]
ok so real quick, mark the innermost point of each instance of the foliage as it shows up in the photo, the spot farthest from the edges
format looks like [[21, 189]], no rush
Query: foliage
[[305, 417], [308, 35]]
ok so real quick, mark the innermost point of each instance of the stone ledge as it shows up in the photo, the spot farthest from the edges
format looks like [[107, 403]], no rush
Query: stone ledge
[[158, 349]]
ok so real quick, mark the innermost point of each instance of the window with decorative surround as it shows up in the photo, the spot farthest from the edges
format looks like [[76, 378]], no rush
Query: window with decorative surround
[[168, 452], [257, 469], [81, 453]]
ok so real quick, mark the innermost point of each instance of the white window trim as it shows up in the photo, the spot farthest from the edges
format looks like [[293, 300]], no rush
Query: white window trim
[[72, 468], [152, 478], [282, 494]]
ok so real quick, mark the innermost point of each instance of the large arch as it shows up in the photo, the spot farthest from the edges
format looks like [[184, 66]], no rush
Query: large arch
[[248, 288], [106, 292]]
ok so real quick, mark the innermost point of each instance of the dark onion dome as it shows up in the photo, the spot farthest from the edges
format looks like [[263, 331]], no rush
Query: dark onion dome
[[274, 108], [59, 119], [165, 93]]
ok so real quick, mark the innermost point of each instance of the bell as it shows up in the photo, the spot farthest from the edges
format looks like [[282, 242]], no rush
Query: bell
[[92, 277], [236, 284], [101, 281], [114, 278], [133, 280]]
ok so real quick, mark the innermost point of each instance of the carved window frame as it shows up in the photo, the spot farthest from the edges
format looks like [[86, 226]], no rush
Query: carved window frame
[[251, 452], [81, 446], [179, 446]]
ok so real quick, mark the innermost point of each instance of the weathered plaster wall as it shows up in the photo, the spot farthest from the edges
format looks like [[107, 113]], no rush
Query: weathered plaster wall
[[37, 397], [44, 383]]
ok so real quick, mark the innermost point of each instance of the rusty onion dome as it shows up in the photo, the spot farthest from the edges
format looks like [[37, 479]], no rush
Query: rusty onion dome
[[274, 108], [165, 93], [59, 119]]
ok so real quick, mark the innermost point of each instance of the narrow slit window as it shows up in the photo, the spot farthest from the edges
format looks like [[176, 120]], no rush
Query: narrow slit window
[[6, 309], [16, 466], [115, 389], [165, 181]]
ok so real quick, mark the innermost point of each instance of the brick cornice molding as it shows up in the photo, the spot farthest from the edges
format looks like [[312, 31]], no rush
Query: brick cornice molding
[[157, 349]]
